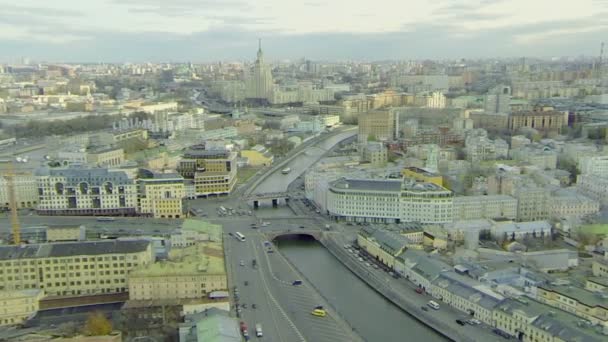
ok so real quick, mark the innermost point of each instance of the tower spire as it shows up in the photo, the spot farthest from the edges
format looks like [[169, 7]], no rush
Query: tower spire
[[259, 44]]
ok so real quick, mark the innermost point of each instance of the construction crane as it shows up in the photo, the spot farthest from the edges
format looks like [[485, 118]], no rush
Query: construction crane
[[9, 175]]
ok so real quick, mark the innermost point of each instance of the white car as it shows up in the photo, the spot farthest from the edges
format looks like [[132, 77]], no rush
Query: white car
[[242, 263], [473, 321]]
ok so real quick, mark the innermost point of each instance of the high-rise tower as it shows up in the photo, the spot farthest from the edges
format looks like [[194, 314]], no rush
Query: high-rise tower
[[259, 83]]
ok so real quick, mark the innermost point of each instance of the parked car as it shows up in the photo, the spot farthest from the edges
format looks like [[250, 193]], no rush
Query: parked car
[[461, 322], [473, 321]]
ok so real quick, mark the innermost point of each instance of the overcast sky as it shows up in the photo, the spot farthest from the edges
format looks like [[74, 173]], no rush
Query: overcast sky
[[207, 30]]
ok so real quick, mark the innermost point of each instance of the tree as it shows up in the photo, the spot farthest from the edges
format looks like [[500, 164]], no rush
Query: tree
[[97, 325]]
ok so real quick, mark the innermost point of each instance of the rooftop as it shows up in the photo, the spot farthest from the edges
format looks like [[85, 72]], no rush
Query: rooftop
[[588, 298], [389, 240], [67, 249], [389, 185], [202, 258], [213, 230]]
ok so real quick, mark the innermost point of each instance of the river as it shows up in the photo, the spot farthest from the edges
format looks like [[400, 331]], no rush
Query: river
[[374, 317]]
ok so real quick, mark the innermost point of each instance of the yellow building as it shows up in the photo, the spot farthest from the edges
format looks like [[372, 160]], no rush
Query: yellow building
[[136, 133], [160, 194], [530, 321], [258, 155], [377, 125], [422, 175], [599, 268], [19, 305], [26, 190], [65, 233], [107, 157], [540, 119], [382, 244], [190, 273], [72, 268], [578, 301], [596, 284], [214, 171]]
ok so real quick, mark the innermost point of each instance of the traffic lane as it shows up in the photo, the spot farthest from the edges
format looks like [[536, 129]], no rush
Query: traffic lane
[[301, 300], [265, 313]]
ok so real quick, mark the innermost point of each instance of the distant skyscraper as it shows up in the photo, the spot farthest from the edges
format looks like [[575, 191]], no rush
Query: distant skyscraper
[[259, 84]]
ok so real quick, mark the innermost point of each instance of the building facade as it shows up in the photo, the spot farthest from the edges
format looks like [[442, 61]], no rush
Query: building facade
[[213, 171], [26, 191], [485, 207], [19, 305], [379, 125], [72, 268], [86, 191], [160, 194]]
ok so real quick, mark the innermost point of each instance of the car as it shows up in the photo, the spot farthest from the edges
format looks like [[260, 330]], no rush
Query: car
[[461, 322], [302, 227], [501, 333], [375, 266], [419, 290], [319, 313], [361, 259], [424, 308], [296, 282], [347, 246], [253, 306], [244, 306], [246, 283], [367, 264], [242, 263], [473, 321], [319, 307]]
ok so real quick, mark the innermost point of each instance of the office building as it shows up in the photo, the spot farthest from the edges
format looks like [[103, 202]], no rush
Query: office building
[[160, 194], [389, 200], [485, 207], [379, 125], [596, 165], [375, 153], [593, 186], [72, 268], [213, 171], [105, 157], [576, 300], [19, 305], [26, 191], [86, 191], [540, 119], [191, 272]]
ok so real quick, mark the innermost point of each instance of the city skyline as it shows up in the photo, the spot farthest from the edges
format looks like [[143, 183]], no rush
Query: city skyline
[[186, 30]]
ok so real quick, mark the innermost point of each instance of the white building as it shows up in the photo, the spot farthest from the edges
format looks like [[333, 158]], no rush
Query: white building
[[593, 186], [26, 191], [490, 207], [519, 230], [567, 204], [389, 200], [435, 100], [597, 165], [259, 85]]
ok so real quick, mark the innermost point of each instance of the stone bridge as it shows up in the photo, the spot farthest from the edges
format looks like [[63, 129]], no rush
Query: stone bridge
[[316, 233], [273, 199]]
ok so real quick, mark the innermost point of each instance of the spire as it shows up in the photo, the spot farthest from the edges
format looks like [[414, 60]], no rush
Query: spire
[[259, 44], [260, 55]]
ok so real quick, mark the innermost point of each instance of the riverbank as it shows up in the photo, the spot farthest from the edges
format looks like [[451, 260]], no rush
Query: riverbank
[[401, 301]]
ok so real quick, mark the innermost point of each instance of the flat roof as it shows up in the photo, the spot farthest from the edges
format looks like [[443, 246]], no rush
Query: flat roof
[[389, 185], [201, 258], [66, 249]]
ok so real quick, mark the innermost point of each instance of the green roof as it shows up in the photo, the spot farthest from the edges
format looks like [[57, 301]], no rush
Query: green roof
[[202, 258], [213, 230], [218, 328]]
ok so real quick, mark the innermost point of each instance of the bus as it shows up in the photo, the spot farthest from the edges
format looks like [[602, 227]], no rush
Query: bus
[[286, 170], [239, 236], [105, 219]]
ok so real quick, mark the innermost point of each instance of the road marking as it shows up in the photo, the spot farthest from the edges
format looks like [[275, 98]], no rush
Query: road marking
[[276, 303]]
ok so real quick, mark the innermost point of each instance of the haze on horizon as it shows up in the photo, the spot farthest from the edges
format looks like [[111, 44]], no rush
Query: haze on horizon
[[208, 30]]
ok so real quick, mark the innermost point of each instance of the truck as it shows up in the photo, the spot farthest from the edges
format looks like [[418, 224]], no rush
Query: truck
[[258, 330]]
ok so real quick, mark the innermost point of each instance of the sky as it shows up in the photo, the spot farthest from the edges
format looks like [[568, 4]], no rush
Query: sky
[[211, 30]]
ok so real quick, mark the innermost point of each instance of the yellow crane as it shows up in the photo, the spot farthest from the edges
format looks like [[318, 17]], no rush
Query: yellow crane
[[9, 175]]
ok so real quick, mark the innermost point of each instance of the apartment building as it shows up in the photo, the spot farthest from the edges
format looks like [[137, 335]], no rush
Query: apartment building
[[106, 157], [599, 268], [588, 305], [389, 200], [597, 165], [593, 186], [26, 191], [379, 125], [213, 171], [375, 153], [532, 201], [381, 244], [571, 204], [485, 207], [160, 194], [72, 268], [86, 191], [540, 119], [191, 272], [17, 306]]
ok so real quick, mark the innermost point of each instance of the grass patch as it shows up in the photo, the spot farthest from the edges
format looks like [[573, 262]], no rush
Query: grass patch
[[595, 229], [245, 173]]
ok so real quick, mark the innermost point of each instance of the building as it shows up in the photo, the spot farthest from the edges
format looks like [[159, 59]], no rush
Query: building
[[578, 301], [19, 305], [597, 165], [86, 191], [422, 175], [213, 325], [529, 320], [485, 207], [160, 194], [65, 233], [214, 171], [565, 204], [593, 186], [599, 268], [375, 153], [542, 157], [540, 119], [72, 268], [26, 191], [435, 100], [378, 125], [382, 244], [191, 272], [389, 200], [259, 85], [498, 100], [478, 147], [195, 231], [135, 133], [106, 157], [532, 201], [519, 230]]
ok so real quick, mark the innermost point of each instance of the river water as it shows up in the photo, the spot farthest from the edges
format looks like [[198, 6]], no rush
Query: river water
[[372, 316]]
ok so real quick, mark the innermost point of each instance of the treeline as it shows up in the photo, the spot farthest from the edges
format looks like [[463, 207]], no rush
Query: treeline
[[61, 127]]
